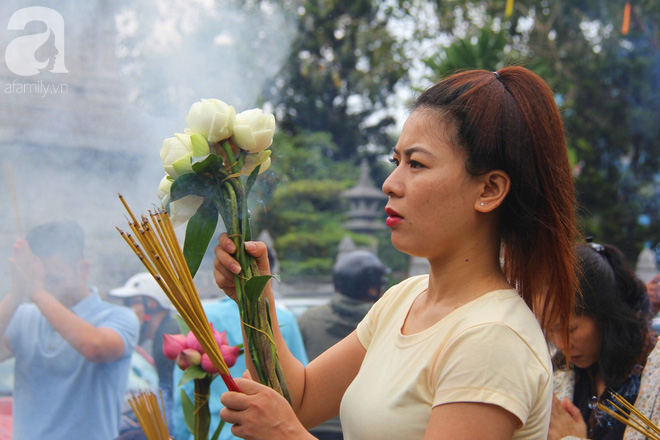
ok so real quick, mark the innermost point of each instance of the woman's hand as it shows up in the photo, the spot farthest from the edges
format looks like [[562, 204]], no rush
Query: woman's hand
[[566, 420], [260, 413], [226, 265]]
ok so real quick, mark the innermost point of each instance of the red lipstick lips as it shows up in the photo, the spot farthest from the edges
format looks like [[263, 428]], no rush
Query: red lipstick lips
[[393, 218]]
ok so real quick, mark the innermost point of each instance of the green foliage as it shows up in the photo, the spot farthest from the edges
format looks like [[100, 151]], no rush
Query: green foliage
[[298, 157], [313, 250], [255, 285], [192, 372], [304, 205], [188, 408], [483, 52], [341, 69], [300, 202], [314, 253], [309, 267], [201, 226]]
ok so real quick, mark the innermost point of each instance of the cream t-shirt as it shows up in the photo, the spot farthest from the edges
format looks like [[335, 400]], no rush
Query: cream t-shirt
[[490, 350]]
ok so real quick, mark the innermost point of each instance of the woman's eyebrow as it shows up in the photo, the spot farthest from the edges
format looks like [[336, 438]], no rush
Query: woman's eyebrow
[[410, 150]]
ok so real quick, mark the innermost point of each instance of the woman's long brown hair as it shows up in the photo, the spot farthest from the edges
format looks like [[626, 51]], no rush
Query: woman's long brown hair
[[508, 120]]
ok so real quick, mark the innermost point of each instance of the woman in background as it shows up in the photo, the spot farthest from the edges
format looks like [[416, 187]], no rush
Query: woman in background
[[612, 348]]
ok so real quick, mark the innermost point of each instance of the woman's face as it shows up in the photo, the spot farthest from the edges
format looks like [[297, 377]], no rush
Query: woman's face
[[136, 303], [431, 195], [585, 340]]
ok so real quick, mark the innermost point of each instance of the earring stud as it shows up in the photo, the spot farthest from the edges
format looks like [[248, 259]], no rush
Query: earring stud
[[483, 204]]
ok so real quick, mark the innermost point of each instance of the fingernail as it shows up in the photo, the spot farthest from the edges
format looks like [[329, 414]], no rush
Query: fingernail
[[234, 267], [250, 246]]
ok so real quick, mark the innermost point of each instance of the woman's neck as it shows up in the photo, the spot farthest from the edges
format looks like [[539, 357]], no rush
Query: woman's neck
[[464, 279], [450, 287]]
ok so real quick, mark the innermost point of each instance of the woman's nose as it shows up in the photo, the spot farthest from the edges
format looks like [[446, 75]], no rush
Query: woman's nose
[[391, 187], [559, 343]]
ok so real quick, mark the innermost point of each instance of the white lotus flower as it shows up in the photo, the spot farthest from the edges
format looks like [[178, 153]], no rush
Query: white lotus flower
[[164, 189], [177, 151], [254, 130], [211, 118], [252, 160], [180, 210]]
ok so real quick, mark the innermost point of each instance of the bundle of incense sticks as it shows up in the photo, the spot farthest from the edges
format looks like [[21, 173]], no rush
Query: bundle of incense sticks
[[626, 413], [154, 242], [149, 415]]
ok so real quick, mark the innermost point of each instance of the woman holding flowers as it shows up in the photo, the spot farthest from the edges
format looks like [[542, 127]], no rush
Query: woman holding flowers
[[482, 188]]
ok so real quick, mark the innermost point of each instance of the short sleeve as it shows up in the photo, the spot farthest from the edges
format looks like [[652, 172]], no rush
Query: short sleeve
[[490, 363], [123, 321], [365, 328], [21, 320]]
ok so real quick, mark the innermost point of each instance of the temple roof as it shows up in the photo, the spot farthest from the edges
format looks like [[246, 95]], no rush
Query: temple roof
[[365, 189]]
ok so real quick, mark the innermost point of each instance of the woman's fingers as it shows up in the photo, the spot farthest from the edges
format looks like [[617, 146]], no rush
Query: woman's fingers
[[259, 413], [259, 251], [225, 265], [226, 243], [235, 403]]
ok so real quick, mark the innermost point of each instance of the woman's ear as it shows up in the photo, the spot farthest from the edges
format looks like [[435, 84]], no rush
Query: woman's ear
[[495, 186]]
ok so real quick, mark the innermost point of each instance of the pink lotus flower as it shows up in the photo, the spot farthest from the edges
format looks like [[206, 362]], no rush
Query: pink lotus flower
[[207, 365], [188, 358], [229, 354], [173, 345], [193, 343], [220, 337], [187, 351]]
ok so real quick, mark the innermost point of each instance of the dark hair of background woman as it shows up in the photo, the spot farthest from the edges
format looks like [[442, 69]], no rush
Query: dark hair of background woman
[[612, 295], [508, 120]]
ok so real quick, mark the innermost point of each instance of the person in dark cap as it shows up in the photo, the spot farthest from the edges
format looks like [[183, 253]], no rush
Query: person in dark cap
[[359, 279], [72, 349]]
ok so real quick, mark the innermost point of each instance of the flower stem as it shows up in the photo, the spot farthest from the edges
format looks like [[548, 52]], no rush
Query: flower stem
[[231, 159], [255, 314], [202, 413], [241, 155]]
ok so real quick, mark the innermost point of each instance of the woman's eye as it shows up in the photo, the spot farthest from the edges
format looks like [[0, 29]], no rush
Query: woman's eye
[[394, 161], [415, 164]]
